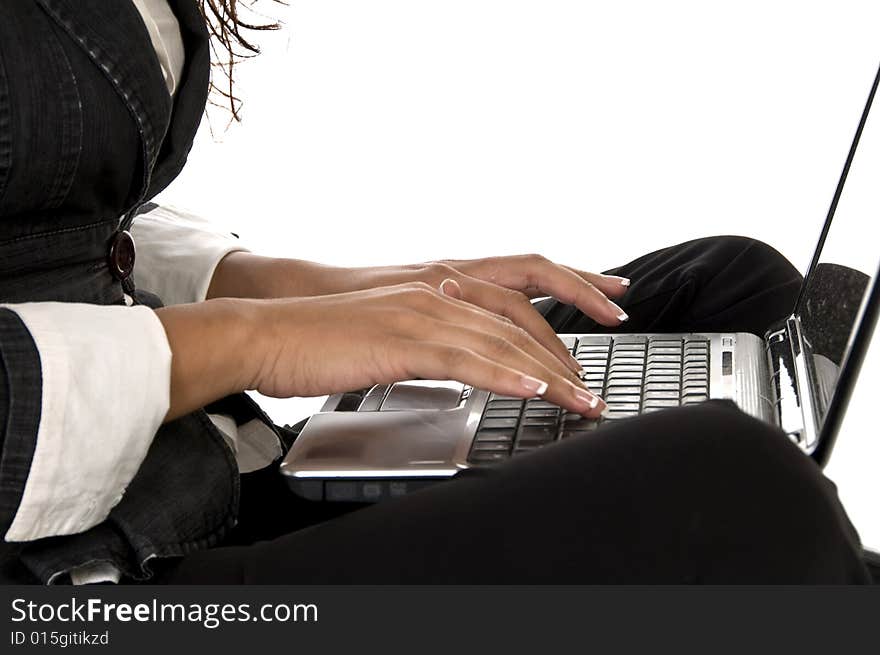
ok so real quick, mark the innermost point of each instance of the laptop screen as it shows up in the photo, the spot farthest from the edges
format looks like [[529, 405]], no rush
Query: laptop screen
[[834, 299]]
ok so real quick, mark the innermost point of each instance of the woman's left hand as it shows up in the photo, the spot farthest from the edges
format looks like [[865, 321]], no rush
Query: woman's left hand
[[502, 285]]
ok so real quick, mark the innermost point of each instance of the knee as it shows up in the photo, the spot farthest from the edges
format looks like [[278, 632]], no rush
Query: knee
[[766, 511], [754, 254]]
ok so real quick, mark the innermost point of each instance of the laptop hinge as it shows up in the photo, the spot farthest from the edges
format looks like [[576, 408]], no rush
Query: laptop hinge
[[791, 374]]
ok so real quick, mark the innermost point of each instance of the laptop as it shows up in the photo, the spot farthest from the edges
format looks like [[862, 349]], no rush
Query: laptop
[[390, 440]]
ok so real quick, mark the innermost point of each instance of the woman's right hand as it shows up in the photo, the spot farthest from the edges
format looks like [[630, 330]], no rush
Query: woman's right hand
[[326, 344]]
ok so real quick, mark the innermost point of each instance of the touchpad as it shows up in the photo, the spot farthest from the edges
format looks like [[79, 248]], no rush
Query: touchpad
[[423, 394]]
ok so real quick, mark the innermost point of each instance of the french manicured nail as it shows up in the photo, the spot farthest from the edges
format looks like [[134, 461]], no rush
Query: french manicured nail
[[533, 385], [621, 315], [589, 399], [605, 412], [445, 286], [622, 281], [575, 365]]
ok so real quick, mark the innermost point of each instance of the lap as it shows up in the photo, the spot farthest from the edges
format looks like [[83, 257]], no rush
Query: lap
[[698, 494]]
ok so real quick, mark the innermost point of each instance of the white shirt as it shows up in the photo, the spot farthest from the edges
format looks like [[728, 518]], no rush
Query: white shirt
[[88, 449], [165, 36]]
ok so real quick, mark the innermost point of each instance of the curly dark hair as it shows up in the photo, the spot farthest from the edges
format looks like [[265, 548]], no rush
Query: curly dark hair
[[230, 45]]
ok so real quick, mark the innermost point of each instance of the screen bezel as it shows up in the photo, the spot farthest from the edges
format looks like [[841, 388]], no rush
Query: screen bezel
[[865, 322]]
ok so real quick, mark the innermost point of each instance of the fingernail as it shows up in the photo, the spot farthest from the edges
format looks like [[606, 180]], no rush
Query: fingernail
[[575, 365], [590, 399], [605, 412], [621, 315], [534, 385], [622, 281], [444, 286]]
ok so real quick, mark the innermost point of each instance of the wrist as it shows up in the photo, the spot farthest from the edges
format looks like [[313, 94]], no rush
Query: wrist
[[216, 351]]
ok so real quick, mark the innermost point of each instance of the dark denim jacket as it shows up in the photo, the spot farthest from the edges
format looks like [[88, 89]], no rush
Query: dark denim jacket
[[88, 133]]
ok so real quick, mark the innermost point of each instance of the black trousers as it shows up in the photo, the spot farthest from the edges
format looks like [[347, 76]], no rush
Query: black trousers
[[700, 494]]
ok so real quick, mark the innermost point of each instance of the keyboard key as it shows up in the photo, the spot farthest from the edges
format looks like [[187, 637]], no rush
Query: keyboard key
[[663, 366], [526, 448], [627, 358], [623, 407], [664, 358], [664, 350], [694, 391], [501, 413], [615, 397], [490, 423], [592, 351], [537, 403], [662, 378], [504, 404], [568, 434], [661, 394], [540, 420], [581, 424], [541, 412], [692, 400], [529, 434], [488, 458], [630, 339], [496, 396], [594, 340], [659, 402], [651, 385], [617, 415], [490, 447], [495, 436], [618, 376], [617, 368], [626, 390]]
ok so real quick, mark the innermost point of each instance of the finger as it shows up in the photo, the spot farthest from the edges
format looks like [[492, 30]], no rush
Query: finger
[[534, 273], [437, 360], [536, 276], [612, 286], [451, 288], [445, 308], [515, 306]]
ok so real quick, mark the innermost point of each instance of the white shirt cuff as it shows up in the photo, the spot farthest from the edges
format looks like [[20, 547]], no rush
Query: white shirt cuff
[[177, 253], [106, 375]]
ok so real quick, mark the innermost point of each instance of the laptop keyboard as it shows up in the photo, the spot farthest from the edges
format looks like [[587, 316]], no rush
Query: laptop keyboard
[[633, 374]]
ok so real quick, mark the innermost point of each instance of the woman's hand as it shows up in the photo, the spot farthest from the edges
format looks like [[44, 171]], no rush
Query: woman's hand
[[325, 344], [501, 285]]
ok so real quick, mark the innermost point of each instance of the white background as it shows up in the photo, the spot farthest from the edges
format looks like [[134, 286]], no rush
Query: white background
[[398, 131]]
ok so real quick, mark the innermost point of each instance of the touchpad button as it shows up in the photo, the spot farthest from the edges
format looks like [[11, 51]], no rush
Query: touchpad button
[[423, 394]]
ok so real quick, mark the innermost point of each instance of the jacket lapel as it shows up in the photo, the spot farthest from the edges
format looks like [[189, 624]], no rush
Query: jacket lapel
[[191, 97], [114, 37]]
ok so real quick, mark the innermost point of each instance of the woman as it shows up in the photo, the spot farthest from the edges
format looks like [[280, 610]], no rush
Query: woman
[[130, 453]]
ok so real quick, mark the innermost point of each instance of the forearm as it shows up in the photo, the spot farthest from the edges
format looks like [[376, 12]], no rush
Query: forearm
[[245, 275], [216, 351]]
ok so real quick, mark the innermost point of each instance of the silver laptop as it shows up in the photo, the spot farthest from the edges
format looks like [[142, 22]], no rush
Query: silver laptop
[[390, 440]]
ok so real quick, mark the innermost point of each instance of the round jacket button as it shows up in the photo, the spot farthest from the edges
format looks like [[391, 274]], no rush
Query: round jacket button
[[122, 253]]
